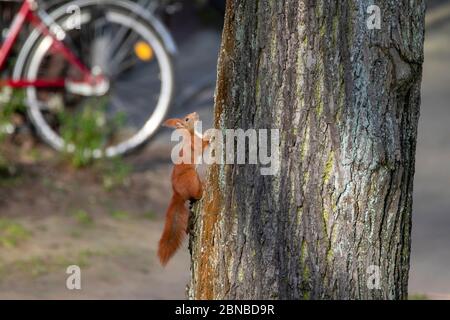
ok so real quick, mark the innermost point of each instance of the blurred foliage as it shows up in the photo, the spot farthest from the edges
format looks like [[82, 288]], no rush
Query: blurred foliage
[[11, 102], [83, 132], [87, 130], [12, 233], [11, 105]]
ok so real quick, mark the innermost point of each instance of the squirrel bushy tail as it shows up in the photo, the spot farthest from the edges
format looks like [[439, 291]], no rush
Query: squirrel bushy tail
[[177, 217]]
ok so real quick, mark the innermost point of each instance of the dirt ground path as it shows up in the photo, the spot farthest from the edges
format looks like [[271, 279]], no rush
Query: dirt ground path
[[52, 217], [117, 261]]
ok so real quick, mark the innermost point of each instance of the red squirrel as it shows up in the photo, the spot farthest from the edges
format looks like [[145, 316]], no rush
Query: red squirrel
[[186, 186]]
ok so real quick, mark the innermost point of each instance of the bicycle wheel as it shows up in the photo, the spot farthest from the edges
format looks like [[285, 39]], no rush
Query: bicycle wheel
[[119, 114]]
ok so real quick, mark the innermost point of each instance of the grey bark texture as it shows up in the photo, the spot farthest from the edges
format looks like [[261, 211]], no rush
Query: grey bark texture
[[346, 101]]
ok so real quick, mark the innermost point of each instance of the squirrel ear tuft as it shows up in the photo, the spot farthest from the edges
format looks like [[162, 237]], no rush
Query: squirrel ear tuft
[[173, 123]]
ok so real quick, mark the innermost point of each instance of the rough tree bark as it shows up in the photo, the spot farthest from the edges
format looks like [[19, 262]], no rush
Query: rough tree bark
[[346, 100]]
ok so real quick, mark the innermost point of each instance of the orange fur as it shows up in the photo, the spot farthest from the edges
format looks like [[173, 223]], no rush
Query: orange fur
[[186, 185], [175, 227]]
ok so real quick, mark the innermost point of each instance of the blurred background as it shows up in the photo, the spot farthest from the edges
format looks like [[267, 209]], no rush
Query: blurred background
[[430, 257], [107, 216]]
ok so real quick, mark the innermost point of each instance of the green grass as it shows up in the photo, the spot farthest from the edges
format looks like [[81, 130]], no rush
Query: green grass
[[120, 214], [418, 296], [150, 215], [12, 233], [38, 266], [83, 218], [35, 154], [115, 173]]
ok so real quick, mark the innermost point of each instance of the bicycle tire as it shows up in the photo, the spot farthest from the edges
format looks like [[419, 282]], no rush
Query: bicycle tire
[[124, 9]]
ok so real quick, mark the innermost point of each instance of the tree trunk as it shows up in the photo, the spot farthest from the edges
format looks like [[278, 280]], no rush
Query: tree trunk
[[346, 100]]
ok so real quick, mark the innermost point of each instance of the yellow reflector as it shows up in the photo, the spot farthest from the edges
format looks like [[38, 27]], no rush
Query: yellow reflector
[[143, 51]]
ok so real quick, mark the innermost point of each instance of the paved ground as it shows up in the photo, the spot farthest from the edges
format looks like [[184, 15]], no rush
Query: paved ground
[[430, 265], [195, 66]]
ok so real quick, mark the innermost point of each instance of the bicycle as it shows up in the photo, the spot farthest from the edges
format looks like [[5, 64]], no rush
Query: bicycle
[[113, 56]]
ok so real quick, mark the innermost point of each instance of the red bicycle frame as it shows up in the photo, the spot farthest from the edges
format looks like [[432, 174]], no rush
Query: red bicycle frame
[[27, 13]]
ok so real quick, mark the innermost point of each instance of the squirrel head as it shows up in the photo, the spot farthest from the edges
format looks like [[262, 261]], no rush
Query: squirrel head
[[188, 122]]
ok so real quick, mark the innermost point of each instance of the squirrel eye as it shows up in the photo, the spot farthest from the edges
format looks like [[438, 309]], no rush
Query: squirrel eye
[[187, 119]]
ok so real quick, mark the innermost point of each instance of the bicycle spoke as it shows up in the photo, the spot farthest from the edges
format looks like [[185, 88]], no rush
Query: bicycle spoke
[[85, 41], [122, 31], [117, 39], [124, 49]]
